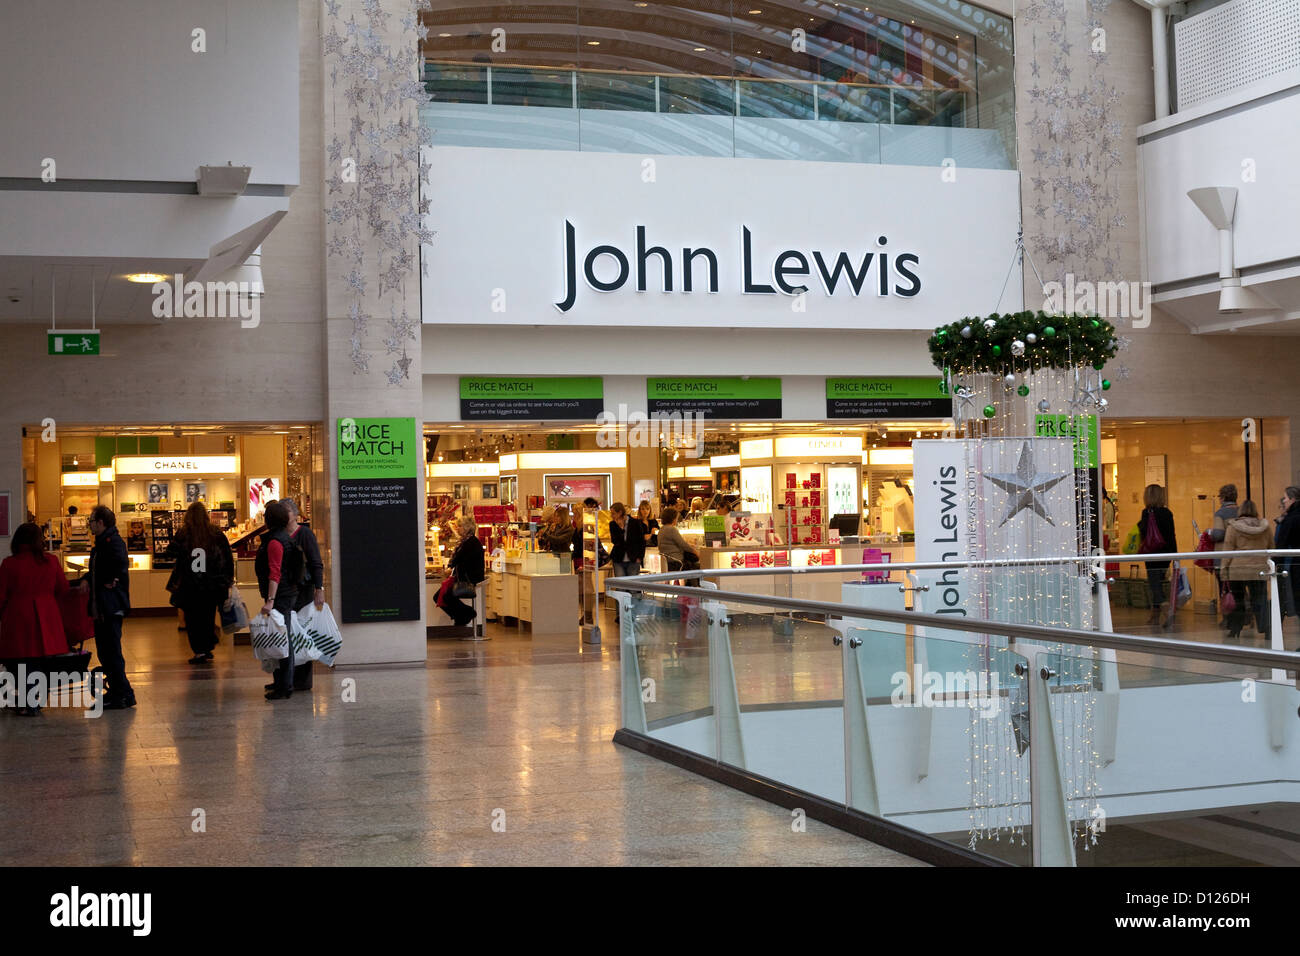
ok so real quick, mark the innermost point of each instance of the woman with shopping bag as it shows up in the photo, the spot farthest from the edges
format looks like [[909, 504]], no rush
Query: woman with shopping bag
[[1158, 537], [31, 586]]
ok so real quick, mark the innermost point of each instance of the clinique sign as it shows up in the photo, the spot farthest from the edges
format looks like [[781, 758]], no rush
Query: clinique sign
[[878, 272]]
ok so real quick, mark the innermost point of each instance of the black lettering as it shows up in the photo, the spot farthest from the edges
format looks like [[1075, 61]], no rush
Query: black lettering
[[900, 266], [642, 254], [689, 255]]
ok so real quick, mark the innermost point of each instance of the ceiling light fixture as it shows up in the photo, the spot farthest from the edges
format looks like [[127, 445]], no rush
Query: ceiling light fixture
[[146, 277]]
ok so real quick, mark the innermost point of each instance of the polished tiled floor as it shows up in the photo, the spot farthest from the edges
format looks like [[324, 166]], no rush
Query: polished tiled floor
[[415, 771]]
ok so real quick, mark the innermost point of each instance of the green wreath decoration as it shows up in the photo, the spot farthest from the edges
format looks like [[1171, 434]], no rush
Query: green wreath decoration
[[1023, 341]]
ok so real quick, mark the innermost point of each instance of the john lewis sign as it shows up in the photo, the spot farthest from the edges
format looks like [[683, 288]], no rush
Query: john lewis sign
[[535, 237]]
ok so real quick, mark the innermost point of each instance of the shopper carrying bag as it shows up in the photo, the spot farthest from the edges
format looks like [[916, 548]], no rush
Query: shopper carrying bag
[[1158, 537]]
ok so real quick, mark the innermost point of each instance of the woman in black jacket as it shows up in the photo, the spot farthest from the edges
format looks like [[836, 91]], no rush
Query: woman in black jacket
[[1158, 537], [1288, 536], [466, 566], [109, 603], [205, 570]]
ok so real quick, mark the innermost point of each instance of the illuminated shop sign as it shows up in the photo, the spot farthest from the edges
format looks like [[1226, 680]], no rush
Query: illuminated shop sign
[[127, 465]]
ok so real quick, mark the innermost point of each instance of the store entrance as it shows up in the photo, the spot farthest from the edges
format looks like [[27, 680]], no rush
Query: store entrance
[[148, 475], [803, 488]]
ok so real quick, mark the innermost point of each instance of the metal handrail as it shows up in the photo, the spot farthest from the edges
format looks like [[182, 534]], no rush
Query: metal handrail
[[958, 565], [1253, 656]]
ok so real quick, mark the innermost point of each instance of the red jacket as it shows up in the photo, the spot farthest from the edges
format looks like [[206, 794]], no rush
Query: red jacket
[[30, 622]]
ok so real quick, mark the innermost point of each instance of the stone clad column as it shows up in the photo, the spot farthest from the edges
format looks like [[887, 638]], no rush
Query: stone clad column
[[370, 153]]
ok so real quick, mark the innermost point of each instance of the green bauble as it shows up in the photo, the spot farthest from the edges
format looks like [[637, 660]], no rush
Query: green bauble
[[1096, 324], [1022, 391], [940, 333], [1099, 365], [1105, 385], [1050, 332], [990, 411], [997, 351]]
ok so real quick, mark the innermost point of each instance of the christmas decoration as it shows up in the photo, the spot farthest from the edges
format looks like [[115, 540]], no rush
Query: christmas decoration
[[1070, 341]]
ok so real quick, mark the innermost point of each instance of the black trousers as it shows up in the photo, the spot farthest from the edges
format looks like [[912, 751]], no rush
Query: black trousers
[[1258, 606], [108, 647], [283, 676], [200, 617]]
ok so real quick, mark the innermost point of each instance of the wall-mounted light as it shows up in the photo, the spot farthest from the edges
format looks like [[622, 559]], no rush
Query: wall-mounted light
[[1219, 205]]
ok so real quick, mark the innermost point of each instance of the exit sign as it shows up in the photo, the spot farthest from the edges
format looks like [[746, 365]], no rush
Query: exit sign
[[72, 341]]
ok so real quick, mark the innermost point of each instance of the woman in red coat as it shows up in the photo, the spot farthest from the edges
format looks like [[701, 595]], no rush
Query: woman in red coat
[[31, 582]]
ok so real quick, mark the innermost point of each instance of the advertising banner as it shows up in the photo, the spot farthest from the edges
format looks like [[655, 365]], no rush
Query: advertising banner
[[497, 397], [380, 554], [722, 397], [998, 499], [882, 397]]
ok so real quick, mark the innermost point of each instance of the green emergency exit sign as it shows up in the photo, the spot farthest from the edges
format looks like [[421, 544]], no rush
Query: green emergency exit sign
[[72, 341]]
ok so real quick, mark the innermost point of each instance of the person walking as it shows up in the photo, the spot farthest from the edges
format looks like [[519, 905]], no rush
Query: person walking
[[627, 540], [31, 624], [1158, 537], [465, 567], [1247, 532], [311, 587], [205, 571], [108, 603], [1218, 529], [283, 563], [1288, 536]]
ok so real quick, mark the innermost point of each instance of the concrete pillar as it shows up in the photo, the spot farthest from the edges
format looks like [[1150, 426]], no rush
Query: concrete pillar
[[375, 185]]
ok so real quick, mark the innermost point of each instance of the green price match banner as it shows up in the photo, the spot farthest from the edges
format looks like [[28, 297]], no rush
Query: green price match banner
[[883, 397], [726, 397], [381, 557], [1083, 430], [497, 398]]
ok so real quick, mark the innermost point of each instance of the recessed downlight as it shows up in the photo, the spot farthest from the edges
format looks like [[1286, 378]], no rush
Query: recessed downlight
[[146, 277]]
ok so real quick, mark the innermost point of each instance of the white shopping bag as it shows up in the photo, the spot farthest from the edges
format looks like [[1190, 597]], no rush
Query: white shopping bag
[[234, 613], [270, 636], [319, 637]]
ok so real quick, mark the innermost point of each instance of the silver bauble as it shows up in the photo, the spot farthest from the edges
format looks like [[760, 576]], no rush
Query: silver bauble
[[1031, 338], [1009, 379], [989, 325], [965, 331], [1044, 405], [1017, 348], [1103, 403]]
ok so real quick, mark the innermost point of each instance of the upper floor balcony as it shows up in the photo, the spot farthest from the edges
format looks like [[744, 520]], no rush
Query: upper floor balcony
[[906, 84]]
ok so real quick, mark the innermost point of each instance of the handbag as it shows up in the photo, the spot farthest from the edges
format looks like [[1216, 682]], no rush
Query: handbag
[[77, 625], [1132, 541], [234, 613], [1206, 543], [463, 589], [1152, 539], [1227, 602]]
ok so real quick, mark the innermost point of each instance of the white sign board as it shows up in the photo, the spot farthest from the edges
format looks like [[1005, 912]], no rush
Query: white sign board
[[538, 237], [998, 499]]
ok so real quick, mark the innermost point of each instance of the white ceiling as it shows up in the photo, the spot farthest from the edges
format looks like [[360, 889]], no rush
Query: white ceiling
[[28, 279], [1199, 309]]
